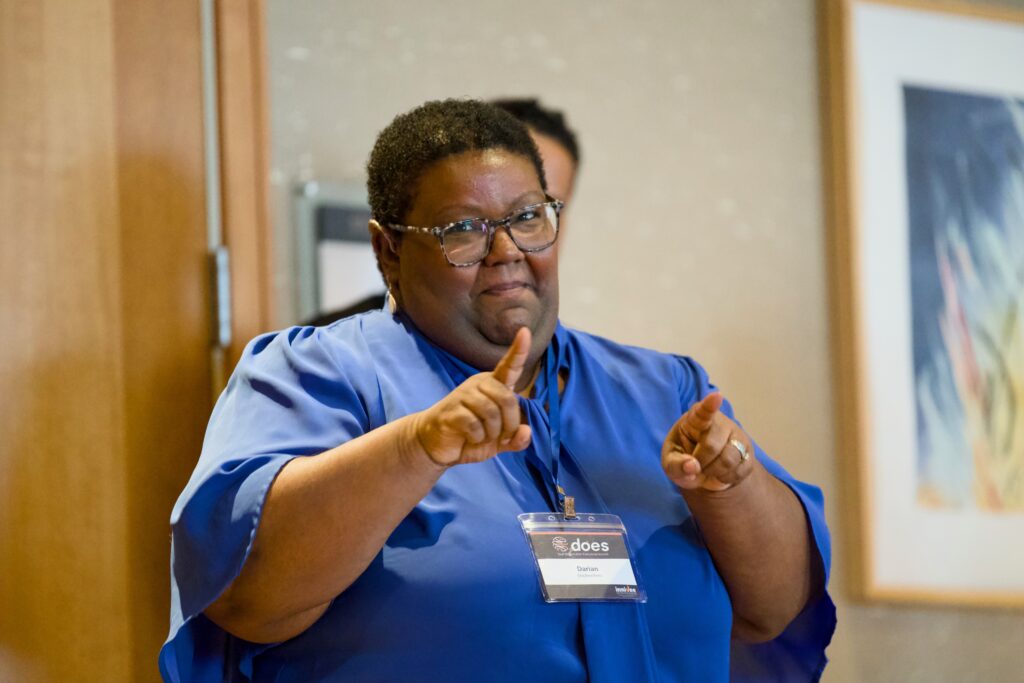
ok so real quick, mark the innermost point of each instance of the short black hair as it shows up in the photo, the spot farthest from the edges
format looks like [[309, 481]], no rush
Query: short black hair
[[416, 140], [545, 121]]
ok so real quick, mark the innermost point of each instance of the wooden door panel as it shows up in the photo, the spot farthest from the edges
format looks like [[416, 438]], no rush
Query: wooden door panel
[[104, 352], [165, 291], [63, 561]]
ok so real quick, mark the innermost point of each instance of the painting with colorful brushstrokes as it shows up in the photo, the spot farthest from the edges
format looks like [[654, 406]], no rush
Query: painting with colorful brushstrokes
[[965, 185]]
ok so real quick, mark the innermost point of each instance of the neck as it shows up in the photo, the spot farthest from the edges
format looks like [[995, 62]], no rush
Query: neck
[[525, 385]]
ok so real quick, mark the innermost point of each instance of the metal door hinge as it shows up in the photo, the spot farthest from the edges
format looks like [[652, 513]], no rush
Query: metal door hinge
[[220, 297]]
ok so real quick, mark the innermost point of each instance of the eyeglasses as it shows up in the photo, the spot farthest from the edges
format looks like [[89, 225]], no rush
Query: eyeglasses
[[468, 242]]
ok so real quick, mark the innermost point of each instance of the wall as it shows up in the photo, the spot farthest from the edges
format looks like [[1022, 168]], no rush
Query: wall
[[697, 227]]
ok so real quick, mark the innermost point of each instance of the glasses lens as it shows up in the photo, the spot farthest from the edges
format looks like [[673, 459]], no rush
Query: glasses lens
[[465, 242], [535, 227]]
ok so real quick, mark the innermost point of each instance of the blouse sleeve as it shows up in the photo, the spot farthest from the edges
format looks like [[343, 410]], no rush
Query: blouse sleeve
[[288, 397], [798, 654]]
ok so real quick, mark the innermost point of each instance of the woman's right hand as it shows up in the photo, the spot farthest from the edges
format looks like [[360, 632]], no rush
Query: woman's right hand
[[481, 417]]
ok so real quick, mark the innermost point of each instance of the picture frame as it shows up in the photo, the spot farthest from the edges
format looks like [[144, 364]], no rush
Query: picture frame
[[924, 132]]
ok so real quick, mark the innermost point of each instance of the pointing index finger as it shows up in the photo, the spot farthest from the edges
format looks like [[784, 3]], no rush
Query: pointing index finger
[[700, 415], [510, 367]]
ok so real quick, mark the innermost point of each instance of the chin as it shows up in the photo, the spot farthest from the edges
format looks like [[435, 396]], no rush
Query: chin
[[503, 336], [502, 330]]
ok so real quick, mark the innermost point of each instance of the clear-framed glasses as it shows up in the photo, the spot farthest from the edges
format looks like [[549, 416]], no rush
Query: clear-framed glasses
[[467, 242]]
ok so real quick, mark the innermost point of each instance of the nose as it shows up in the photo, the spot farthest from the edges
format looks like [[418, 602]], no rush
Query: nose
[[503, 249]]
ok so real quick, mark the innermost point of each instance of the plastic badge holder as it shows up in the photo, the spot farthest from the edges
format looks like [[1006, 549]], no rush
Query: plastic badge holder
[[582, 558]]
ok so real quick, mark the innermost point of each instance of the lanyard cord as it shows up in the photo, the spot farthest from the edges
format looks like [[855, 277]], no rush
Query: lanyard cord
[[555, 424]]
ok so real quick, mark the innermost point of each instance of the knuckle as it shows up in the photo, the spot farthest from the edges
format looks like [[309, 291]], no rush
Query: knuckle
[[725, 471], [499, 391], [715, 441], [465, 421], [511, 415], [493, 381], [491, 410]]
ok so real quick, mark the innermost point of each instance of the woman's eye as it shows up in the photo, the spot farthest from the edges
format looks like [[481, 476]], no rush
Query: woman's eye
[[464, 227], [526, 216]]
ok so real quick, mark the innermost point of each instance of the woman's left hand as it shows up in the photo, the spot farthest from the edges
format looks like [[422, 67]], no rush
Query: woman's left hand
[[706, 450]]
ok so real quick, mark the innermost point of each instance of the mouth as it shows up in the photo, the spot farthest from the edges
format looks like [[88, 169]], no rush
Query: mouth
[[510, 288]]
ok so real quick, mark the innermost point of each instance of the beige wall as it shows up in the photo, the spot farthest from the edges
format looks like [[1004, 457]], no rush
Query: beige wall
[[698, 223]]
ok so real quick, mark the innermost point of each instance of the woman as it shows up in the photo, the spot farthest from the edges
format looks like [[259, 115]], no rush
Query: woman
[[354, 513]]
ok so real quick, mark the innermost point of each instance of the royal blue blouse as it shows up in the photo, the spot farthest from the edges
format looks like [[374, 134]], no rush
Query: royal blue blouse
[[453, 595]]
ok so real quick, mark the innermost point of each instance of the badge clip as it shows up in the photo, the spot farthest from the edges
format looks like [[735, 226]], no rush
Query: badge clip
[[570, 507]]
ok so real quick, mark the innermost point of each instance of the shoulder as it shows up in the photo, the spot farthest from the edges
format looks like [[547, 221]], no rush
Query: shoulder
[[345, 335], [342, 348], [636, 364], [610, 349], [313, 371]]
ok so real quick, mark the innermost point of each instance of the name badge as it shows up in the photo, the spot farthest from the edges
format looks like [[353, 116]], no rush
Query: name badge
[[584, 558]]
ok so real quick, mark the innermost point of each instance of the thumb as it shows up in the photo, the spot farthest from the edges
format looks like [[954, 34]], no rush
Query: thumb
[[510, 367]]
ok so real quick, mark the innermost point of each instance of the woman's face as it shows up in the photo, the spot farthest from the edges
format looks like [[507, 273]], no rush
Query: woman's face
[[475, 311]]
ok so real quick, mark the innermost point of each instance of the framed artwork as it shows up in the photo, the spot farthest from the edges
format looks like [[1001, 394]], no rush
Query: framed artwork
[[925, 124]]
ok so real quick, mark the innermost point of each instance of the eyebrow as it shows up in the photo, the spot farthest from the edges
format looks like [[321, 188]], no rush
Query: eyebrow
[[474, 212]]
